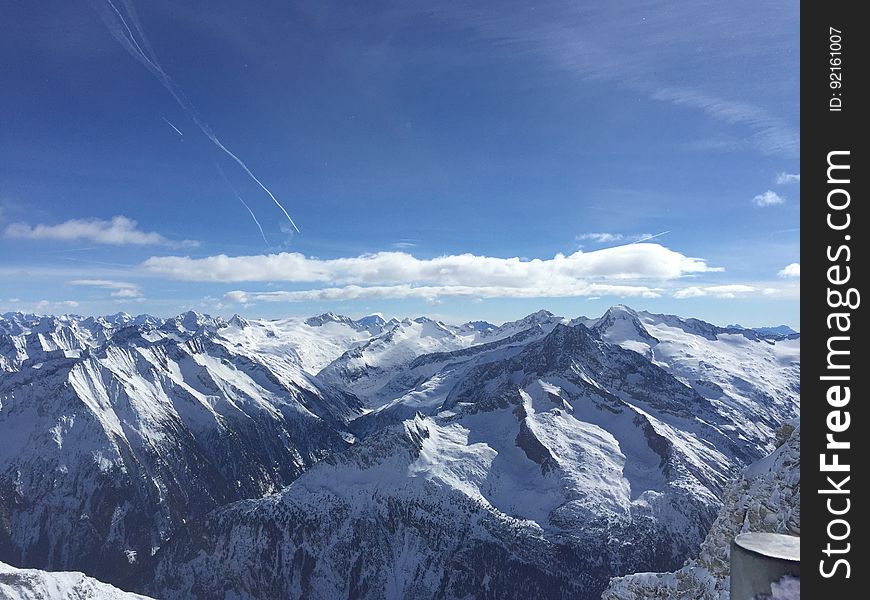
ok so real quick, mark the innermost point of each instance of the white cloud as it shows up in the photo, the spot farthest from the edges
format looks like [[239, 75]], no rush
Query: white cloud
[[791, 270], [119, 231], [120, 289], [600, 238], [717, 291], [785, 178], [768, 198], [619, 271], [631, 262], [433, 293], [43, 304]]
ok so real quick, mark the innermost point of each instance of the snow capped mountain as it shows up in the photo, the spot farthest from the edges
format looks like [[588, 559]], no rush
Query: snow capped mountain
[[31, 584], [752, 379], [331, 457], [366, 368]]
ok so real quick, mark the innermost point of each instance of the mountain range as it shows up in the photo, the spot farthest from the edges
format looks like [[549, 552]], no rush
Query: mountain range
[[330, 457]]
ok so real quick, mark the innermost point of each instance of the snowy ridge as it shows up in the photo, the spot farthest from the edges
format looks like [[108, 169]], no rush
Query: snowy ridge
[[31, 584]]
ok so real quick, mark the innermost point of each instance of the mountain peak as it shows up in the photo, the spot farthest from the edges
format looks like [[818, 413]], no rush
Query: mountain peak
[[238, 321], [329, 317], [370, 320], [621, 324], [621, 309]]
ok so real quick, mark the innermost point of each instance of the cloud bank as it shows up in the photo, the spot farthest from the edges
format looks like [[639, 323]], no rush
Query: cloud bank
[[635, 270], [631, 262], [433, 293], [119, 231]]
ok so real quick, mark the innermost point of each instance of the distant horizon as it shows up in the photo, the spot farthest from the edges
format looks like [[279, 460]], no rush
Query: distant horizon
[[387, 317]]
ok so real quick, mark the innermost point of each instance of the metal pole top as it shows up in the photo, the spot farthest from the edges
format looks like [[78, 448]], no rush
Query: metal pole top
[[771, 545]]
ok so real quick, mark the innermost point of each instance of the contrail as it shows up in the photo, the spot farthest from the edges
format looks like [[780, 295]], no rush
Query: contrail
[[245, 204], [650, 237], [177, 130], [141, 50]]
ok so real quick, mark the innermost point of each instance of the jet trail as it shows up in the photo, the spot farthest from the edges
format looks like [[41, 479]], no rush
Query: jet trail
[[245, 204], [141, 50], [177, 130], [650, 237]]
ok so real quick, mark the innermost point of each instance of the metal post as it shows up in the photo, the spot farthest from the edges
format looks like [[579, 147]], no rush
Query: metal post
[[760, 559]]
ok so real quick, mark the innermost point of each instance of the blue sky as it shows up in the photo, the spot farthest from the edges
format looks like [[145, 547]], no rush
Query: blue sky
[[457, 159]]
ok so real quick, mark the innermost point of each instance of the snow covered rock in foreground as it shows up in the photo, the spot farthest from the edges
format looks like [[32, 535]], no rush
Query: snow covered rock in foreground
[[765, 498], [32, 584]]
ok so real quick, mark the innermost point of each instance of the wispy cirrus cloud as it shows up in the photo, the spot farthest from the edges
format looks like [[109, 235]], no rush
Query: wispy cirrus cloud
[[790, 271], [786, 178], [647, 51], [117, 231], [770, 134], [119, 289], [768, 198]]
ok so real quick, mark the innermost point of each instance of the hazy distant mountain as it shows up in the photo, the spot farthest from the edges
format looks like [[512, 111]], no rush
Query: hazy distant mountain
[[779, 330]]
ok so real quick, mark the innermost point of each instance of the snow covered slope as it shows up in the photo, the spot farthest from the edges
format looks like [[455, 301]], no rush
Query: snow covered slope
[[765, 498], [403, 515], [31, 584], [313, 342], [107, 450], [555, 460]]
